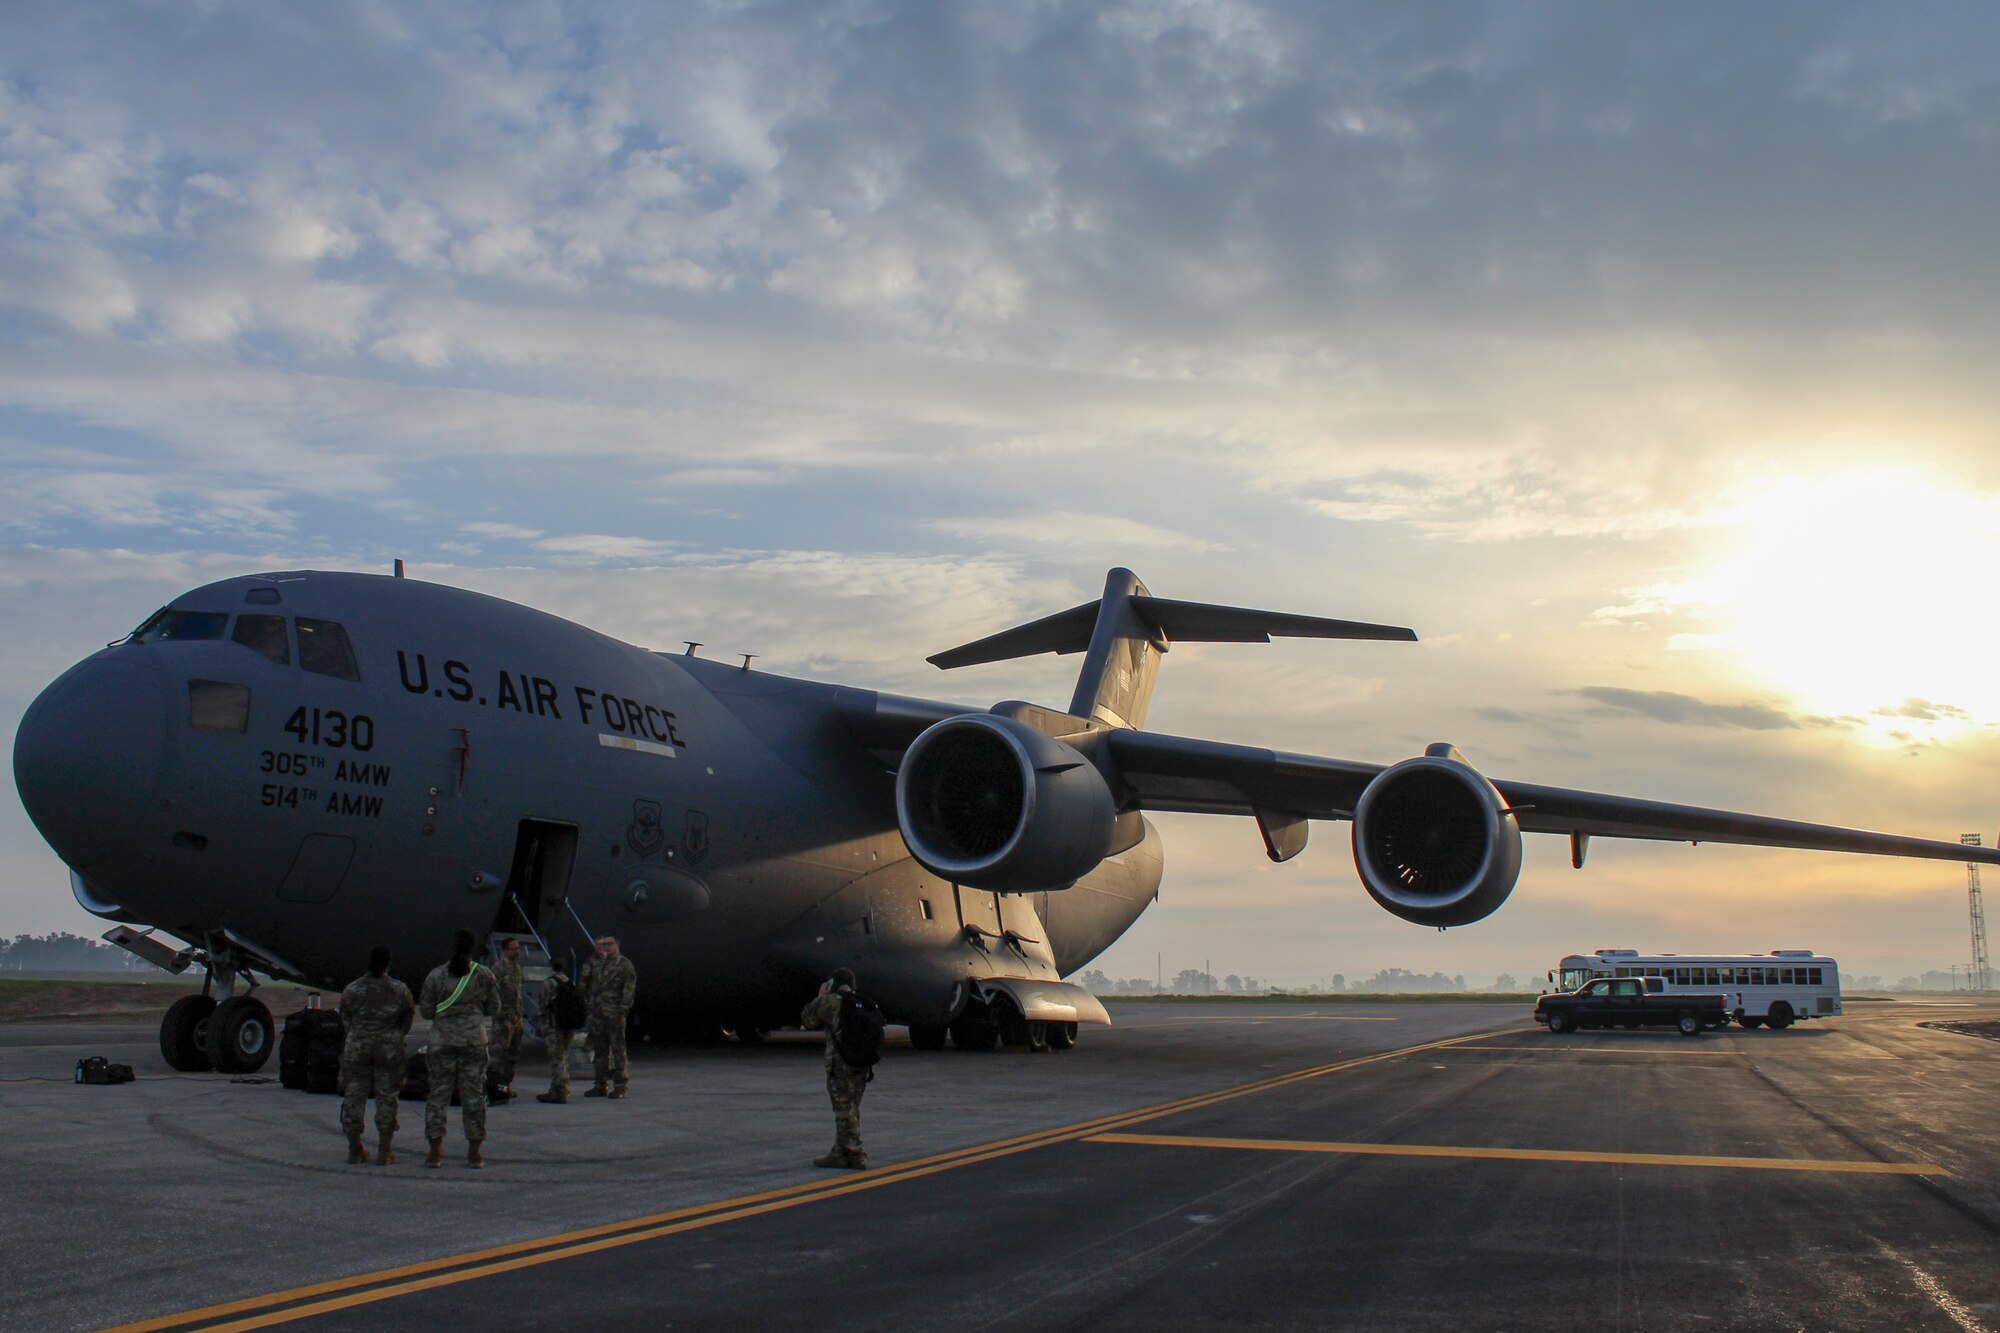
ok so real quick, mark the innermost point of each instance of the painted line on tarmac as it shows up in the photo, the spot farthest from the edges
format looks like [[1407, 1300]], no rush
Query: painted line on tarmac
[[295, 1303], [1617, 1050], [1531, 1155]]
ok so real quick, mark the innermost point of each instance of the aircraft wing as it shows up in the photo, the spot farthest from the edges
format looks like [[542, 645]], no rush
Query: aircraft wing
[[1170, 773]]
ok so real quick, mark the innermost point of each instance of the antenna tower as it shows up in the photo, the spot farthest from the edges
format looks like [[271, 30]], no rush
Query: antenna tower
[[1982, 971]]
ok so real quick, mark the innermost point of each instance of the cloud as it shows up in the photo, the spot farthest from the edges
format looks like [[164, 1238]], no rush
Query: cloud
[[1686, 710], [1070, 528]]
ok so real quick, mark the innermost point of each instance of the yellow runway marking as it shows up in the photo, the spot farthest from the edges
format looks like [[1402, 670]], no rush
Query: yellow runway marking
[[1618, 1050], [1532, 1155], [321, 1298]]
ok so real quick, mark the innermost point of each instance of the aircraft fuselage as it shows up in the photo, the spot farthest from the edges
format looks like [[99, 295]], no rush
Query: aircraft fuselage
[[462, 761]]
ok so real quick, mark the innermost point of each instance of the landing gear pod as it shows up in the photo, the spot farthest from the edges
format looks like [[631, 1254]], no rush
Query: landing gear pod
[[1435, 842], [989, 803]]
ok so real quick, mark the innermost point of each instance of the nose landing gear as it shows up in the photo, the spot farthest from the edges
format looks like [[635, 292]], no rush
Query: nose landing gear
[[218, 1029]]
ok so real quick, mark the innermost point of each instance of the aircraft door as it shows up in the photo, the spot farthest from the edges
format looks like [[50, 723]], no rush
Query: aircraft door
[[978, 912], [538, 886]]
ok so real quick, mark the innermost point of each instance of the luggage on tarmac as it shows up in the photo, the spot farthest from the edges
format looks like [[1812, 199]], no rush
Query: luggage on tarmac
[[309, 1050]]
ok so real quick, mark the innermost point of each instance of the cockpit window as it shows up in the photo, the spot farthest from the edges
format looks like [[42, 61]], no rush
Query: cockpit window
[[266, 635], [323, 648], [169, 624]]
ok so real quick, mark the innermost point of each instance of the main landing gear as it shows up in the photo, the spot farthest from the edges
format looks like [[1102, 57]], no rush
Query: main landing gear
[[218, 1029], [981, 1026]]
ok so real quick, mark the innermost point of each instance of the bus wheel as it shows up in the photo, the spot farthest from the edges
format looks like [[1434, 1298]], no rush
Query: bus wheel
[[1781, 1016], [1749, 1021], [1689, 1023]]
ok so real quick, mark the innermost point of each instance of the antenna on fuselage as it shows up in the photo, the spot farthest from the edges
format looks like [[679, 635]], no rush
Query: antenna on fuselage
[[692, 645], [399, 567]]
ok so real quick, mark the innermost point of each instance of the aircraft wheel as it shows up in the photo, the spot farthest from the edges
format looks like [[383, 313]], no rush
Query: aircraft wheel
[[1559, 1022], [1750, 1022], [1062, 1036], [750, 1034], [240, 1035], [970, 1032], [184, 1034], [928, 1036], [1781, 1016]]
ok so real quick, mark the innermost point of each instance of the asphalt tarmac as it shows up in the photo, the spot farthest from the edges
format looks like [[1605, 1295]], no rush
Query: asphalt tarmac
[[1417, 1166]]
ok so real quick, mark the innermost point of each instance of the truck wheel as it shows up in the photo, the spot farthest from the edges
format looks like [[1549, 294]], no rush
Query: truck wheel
[[1560, 1022], [1689, 1023], [1752, 1021], [1781, 1016]]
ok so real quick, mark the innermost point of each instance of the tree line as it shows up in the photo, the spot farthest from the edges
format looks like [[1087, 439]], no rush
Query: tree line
[[60, 951]]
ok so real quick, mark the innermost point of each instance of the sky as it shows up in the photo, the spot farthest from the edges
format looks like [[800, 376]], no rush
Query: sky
[[1639, 357]]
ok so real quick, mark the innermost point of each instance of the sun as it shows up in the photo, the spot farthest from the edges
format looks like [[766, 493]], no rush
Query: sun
[[1866, 594]]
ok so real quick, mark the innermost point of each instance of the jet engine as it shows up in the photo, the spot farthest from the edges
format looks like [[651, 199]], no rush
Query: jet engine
[[989, 803], [1435, 842]]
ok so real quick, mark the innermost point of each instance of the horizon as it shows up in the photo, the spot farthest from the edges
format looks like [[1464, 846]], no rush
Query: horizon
[[1638, 358]]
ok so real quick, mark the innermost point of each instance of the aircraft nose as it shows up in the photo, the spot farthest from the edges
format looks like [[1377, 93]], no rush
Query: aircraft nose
[[89, 750]]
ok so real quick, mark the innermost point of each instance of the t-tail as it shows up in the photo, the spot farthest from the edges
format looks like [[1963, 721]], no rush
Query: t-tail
[[1124, 634]]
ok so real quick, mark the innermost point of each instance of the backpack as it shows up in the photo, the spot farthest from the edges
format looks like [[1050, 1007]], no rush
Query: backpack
[[857, 1032], [566, 1006], [96, 1069]]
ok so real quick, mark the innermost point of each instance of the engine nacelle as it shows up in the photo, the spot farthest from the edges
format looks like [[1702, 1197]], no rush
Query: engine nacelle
[[1435, 842], [987, 802]]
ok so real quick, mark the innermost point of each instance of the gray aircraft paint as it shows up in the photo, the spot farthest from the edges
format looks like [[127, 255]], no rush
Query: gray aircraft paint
[[737, 830]]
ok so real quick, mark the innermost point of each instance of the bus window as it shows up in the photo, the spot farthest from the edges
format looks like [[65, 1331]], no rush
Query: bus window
[[1814, 974], [266, 635]]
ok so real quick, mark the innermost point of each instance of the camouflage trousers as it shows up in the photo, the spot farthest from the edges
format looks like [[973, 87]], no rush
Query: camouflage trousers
[[845, 1087], [559, 1044], [370, 1067], [461, 1069], [503, 1049], [607, 1048]]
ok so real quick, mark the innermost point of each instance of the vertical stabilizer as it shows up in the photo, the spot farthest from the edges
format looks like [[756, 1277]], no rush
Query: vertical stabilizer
[[1124, 633], [1123, 660]]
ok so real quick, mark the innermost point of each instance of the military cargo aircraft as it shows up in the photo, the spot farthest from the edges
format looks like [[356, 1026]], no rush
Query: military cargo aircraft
[[281, 770]]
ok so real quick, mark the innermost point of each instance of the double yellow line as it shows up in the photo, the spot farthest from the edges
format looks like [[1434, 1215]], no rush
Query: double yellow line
[[280, 1307]]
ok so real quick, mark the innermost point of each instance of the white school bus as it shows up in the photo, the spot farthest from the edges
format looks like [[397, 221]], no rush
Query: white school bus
[[1777, 988]]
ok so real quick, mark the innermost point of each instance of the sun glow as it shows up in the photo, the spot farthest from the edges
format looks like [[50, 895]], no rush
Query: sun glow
[[1867, 595]]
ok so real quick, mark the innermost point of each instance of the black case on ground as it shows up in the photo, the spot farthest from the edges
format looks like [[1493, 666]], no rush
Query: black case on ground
[[309, 1050]]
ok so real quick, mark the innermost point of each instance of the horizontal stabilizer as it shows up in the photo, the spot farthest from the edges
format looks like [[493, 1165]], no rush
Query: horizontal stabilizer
[[1188, 622]]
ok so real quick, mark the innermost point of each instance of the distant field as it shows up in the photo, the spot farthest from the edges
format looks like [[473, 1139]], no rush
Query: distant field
[[1350, 997], [114, 999]]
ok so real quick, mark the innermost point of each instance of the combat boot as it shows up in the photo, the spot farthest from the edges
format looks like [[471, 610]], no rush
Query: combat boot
[[617, 1093], [436, 1159], [473, 1157], [384, 1154], [556, 1096], [598, 1090], [834, 1158], [356, 1153], [857, 1161]]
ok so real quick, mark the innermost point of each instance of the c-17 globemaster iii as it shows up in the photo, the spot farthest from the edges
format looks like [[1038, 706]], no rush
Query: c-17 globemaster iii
[[280, 771]]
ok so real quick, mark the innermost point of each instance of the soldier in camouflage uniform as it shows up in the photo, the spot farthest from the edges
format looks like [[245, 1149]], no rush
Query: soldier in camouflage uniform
[[504, 1046], [844, 1085], [610, 984], [377, 1010], [557, 1036], [459, 997]]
